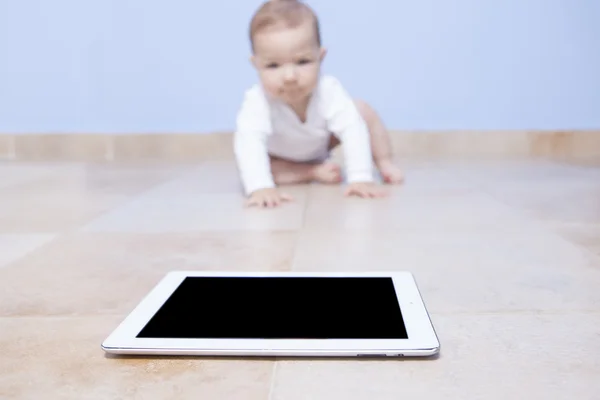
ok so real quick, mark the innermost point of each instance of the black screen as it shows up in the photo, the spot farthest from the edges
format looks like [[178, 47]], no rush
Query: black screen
[[280, 308]]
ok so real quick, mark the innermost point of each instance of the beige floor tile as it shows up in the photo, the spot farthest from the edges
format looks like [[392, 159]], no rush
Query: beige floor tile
[[164, 210], [68, 196], [12, 173], [110, 273], [408, 208], [29, 209], [433, 178], [568, 202], [460, 271], [587, 235], [13, 247], [483, 357], [515, 171], [106, 178], [60, 358], [210, 177]]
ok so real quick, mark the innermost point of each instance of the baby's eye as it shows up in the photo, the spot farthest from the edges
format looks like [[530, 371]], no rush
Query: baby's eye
[[272, 65], [304, 61]]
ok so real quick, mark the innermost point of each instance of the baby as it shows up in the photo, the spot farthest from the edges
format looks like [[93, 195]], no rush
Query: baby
[[289, 123]]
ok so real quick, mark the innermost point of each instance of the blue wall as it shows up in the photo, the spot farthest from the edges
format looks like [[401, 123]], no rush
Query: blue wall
[[182, 65]]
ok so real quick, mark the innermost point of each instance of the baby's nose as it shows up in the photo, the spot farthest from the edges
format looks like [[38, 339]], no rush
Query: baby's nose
[[289, 74]]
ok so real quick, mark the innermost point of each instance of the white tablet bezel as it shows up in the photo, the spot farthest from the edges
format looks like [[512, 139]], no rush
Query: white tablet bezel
[[422, 339]]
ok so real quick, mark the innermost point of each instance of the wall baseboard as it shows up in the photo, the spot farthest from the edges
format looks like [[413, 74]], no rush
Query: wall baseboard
[[559, 145]]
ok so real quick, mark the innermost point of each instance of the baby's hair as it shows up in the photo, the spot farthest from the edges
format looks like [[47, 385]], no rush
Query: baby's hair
[[285, 13]]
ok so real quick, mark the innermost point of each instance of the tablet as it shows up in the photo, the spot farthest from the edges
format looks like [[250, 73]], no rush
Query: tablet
[[285, 314]]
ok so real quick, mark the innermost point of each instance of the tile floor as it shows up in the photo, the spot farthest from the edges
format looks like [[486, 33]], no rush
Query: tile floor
[[507, 255]]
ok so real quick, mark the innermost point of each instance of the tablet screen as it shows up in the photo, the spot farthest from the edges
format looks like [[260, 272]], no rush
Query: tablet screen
[[280, 308]]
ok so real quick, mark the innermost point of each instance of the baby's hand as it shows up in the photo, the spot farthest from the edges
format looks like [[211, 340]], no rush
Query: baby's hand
[[365, 189], [268, 198]]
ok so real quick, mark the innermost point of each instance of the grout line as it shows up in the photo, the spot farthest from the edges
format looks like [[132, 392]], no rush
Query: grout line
[[516, 312], [300, 231], [480, 313], [130, 199], [273, 377], [308, 191]]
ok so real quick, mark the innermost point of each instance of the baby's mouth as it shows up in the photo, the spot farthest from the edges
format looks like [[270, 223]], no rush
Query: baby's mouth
[[291, 91]]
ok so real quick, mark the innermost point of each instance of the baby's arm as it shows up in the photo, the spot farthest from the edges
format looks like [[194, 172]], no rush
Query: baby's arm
[[345, 121], [253, 127]]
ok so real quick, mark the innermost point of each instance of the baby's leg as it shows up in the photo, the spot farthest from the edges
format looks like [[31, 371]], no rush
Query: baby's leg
[[381, 145], [289, 172]]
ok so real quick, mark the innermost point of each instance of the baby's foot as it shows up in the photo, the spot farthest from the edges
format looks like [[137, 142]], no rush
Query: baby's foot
[[390, 172], [327, 172]]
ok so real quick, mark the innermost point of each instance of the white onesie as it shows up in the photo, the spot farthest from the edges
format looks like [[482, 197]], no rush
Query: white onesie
[[269, 127]]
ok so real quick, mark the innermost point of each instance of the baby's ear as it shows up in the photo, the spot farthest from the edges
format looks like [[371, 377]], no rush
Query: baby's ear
[[323, 53]]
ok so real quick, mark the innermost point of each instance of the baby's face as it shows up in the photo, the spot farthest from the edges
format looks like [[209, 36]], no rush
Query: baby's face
[[288, 62]]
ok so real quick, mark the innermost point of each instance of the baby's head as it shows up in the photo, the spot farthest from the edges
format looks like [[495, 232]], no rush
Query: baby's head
[[286, 47]]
